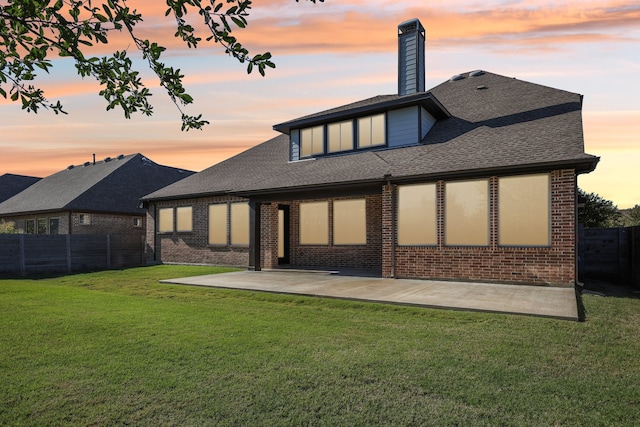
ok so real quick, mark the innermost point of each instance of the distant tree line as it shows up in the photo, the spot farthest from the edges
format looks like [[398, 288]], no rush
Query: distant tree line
[[596, 211]]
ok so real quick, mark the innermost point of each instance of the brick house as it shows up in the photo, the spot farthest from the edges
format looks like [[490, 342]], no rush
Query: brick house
[[474, 179], [100, 197]]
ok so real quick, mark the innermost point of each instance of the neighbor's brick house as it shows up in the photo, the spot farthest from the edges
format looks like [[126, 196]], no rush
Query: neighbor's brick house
[[472, 180], [100, 197]]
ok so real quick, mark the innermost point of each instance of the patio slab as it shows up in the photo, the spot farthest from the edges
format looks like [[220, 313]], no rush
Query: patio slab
[[559, 303]]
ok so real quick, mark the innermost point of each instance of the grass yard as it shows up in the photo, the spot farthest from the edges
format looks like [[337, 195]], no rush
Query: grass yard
[[115, 348]]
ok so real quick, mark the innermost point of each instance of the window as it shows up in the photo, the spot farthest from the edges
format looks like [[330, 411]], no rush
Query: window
[[467, 213], [417, 215], [314, 223], [54, 225], [312, 141], [85, 219], [524, 211], [218, 224], [184, 219], [239, 223], [42, 226], [349, 222], [137, 222], [340, 136], [30, 226], [371, 131], [165, 220]]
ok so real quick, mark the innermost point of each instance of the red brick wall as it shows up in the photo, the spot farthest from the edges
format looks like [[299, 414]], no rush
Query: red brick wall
[[554, 265], [367, 256], [192, 247]]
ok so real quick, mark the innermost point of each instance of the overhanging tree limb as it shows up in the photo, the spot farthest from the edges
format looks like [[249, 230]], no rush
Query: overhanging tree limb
[[30, 30]]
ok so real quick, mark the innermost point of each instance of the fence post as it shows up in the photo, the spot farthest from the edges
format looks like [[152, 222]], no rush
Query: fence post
[[23, 266], [68, 253]]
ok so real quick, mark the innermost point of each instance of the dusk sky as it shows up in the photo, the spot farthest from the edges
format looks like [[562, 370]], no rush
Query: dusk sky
[[337, 52]]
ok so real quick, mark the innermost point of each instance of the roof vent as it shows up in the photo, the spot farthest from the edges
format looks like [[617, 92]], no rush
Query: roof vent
[[456, 78], [481, 87], [86, 164], [121, 156], [107, 159], [70, 167], [476, 73]]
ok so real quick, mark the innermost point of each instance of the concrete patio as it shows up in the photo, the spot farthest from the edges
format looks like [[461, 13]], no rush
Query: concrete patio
[[559, 303]]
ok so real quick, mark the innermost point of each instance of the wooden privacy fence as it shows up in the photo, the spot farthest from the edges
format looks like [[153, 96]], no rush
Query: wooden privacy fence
[[610, 254], [35, 253]]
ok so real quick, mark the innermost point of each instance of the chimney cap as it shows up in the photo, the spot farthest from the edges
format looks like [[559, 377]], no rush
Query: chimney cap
[[410, 26]]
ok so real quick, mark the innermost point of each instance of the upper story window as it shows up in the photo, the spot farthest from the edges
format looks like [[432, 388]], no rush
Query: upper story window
[[312, 141], [340, 136], [369, 131]]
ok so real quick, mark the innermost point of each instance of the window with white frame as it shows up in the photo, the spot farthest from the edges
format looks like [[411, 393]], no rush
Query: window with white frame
[[30, 226], [84, 219]]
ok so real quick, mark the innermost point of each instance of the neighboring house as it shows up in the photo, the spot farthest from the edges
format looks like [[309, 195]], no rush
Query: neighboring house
[[11, 184], [94, 198], [472, 180]]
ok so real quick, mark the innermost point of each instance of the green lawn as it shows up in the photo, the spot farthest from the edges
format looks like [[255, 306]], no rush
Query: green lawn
[[116, 348]]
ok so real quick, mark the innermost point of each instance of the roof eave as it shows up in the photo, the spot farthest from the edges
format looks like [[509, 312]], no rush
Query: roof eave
[[424, 99]]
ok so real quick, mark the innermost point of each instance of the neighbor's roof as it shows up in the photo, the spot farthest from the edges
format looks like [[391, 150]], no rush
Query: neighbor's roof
[[111, 185], [11, 184], [497, 124]]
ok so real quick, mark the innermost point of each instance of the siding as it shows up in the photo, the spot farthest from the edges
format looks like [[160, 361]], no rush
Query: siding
[[427, 122], [402, 127], [295, 144]]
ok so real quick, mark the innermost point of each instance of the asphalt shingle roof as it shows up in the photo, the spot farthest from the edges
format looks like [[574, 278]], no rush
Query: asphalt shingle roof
[[11, 184], [496, 123], [113, 185]]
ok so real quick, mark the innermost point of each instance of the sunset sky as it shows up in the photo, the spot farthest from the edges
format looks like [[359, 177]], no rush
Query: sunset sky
[[337, 52]]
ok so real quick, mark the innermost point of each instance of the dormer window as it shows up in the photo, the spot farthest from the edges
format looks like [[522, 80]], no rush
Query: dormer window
[[312, 141], [340, 136], [371, 131]]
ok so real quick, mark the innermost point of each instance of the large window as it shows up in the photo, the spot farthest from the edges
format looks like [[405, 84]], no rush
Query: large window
[[312, 141], [240, 223], [184, 219], [218, 224], [314, 223], [371, 131], [349, 222], [417, 215], [165, 220], [467, 213], [524, 211], [340, 136], [30, 227]]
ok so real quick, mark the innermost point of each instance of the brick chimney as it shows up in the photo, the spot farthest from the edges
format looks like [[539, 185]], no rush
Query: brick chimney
[[411, 57]]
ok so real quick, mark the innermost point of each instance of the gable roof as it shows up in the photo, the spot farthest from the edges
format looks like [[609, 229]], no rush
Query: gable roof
[[11, 184], [497, 124], [112, 185]]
